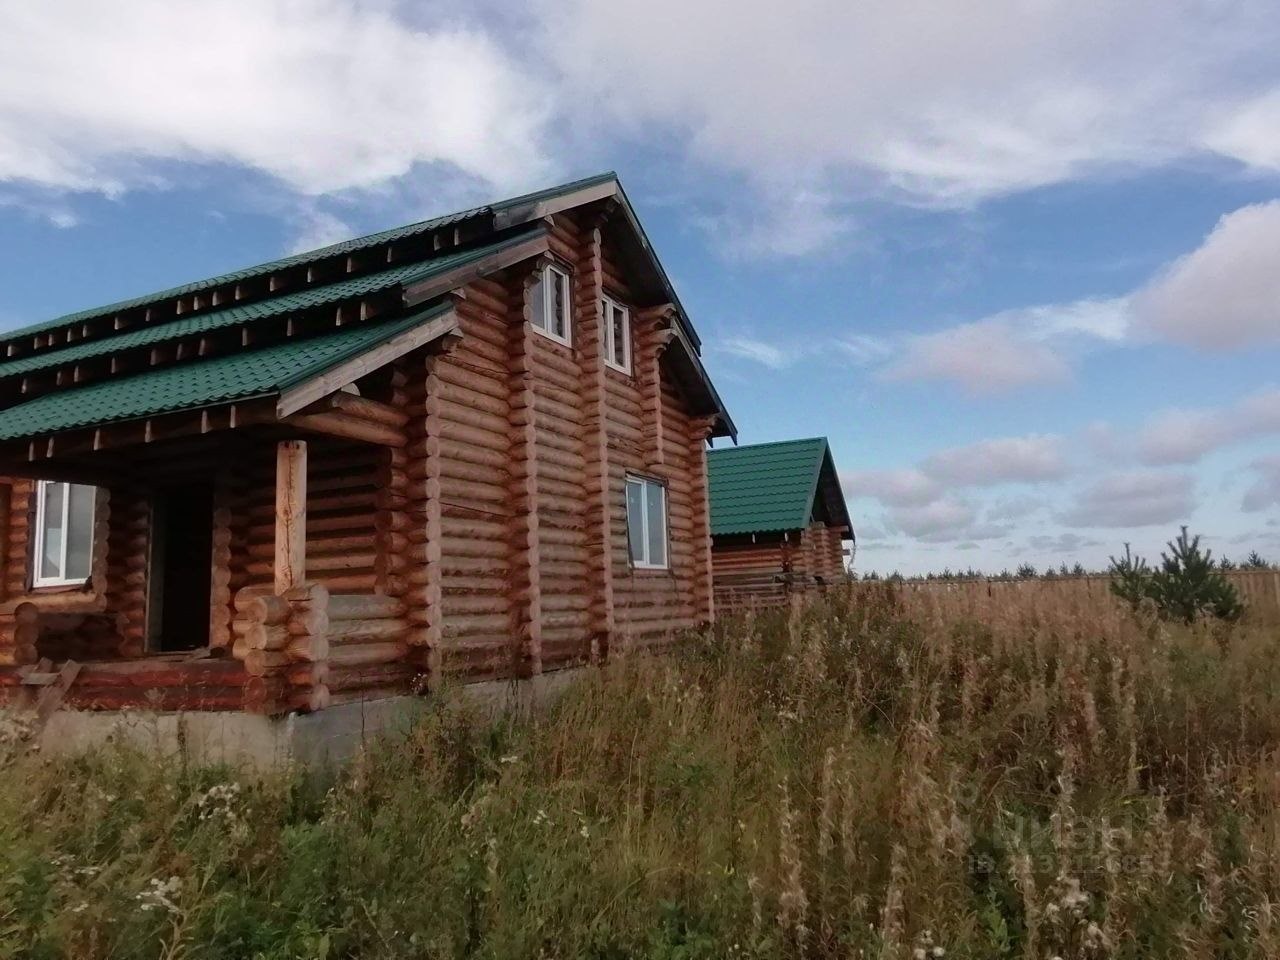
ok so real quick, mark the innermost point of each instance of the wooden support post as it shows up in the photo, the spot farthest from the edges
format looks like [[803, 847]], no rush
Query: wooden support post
[[291, 514]]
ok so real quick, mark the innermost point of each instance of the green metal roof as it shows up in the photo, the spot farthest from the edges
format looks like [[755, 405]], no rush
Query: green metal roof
[[201, 383], [343, 248], [259, 310], [770, 486]]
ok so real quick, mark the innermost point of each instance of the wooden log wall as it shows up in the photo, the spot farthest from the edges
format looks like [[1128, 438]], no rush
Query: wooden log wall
[[750, 573], [824, 549], [105, 617], [342, 503], [469, 426]]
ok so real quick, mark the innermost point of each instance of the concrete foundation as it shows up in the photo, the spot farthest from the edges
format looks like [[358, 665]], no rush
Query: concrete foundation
[[327, 737]]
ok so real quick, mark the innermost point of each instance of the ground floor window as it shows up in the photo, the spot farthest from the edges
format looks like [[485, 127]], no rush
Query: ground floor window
[[64, 533], [647, 522]]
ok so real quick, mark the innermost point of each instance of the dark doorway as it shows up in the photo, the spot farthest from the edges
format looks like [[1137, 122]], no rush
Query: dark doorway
[[182, 568]]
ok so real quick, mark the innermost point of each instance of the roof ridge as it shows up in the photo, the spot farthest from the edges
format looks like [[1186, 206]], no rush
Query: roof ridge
[[721, 451], [301, 258]]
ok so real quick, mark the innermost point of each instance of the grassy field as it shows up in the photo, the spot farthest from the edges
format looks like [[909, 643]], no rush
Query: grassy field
[[856, 780]]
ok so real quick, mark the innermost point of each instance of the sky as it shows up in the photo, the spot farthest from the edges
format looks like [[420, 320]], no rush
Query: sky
[[1018, 260]]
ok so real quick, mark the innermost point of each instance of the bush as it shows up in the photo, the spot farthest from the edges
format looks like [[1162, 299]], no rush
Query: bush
[[1187, 584]]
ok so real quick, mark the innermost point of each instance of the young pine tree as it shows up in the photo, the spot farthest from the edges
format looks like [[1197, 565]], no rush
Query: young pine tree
[[1188, 584]]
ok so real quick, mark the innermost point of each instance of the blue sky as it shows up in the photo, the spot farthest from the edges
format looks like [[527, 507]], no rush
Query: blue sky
[[1020, 262]]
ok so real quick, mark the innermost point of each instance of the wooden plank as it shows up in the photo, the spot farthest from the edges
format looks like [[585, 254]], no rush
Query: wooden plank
[[291, 514], [51, 696]]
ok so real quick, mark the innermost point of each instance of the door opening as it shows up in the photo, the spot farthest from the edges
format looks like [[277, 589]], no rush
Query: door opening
[[181, 568]]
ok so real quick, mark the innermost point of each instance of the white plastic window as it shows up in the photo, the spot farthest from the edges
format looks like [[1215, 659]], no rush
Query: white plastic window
[[550, 304], [647, 523], [616, 334], [64, 533]]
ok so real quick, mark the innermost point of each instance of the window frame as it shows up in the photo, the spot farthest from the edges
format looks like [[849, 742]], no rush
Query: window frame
[[609, 304], [645, 482], [37, 561], [548, 301]]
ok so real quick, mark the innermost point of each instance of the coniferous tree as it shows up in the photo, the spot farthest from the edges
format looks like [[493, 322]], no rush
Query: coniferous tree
[[1187, 585], [1131, 578], [1255, 562]]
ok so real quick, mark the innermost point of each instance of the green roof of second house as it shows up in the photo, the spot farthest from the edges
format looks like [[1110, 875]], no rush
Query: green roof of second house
[[201, 383], [768, 487]]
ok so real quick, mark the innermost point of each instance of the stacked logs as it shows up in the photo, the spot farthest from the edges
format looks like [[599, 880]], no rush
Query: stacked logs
[[283, 642], [526, 587], [20, 516], [342, 490], [126, 541], [467, 442], [19, 630], [564, 489], [368, 651], [421, 517], [595, 397], [220, 609]]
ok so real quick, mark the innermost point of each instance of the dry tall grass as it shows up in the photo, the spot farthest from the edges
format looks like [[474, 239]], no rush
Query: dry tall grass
[[851, 780]]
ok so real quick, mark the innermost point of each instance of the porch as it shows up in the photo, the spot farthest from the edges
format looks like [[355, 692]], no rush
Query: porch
[[239, 561]]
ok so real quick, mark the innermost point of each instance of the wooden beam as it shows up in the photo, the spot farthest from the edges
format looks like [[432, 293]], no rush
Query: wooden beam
[[417, 293], [291, 514], [348, 428], [514, 216], [308, 392]]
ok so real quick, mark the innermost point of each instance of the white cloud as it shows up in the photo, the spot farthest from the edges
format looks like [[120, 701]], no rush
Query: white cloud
[[987, 356], [1184, 436], [1030, 459], [323, 95], [946, 520], [936, 104], [319, 229], [1226, 292], [1135, 498], [865, 349], [759, 351], [1264, 492], [895, 488]]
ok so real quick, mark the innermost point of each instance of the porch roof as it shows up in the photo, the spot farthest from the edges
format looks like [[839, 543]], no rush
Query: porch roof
[[202, 383]]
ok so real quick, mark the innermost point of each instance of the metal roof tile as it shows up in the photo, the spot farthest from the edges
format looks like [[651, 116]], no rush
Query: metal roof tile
[[764, 487], [262, 309], [311, 256], [197, 384]]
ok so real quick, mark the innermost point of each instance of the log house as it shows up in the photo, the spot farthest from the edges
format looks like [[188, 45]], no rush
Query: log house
[[471, 447], [778, 522]]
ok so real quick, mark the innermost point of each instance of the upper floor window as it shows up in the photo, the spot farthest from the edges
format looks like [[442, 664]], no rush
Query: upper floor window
[[550, 306], [64, 533], [647, 523], [617, 334]]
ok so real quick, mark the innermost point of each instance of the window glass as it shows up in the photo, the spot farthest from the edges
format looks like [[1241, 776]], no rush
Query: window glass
[[80, 533], [52, 538], [635, 520], [618, 334], [538, 303], [656, 519], [64, 533], [560, 304]]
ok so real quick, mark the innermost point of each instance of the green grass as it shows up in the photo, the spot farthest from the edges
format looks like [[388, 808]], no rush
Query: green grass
[[857, 780]]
